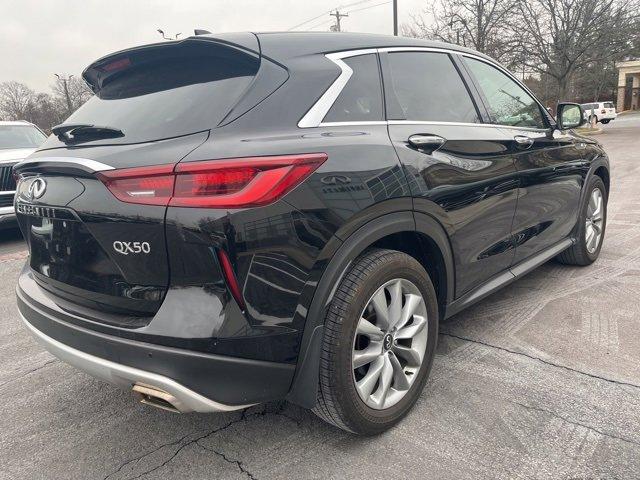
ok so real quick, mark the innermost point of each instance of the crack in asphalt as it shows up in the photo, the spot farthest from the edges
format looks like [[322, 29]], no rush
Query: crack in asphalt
[[546, 362], [243, 417], [29, 372], [136, 459], [237, 463], [573, 422]]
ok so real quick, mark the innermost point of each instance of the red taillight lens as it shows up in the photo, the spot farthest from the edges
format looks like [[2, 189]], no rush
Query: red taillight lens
[[146, 185], [236, 183], [230, 277]]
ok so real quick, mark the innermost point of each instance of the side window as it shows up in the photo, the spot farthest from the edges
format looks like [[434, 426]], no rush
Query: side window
[[429, 88], [361, 98], [509, 104]]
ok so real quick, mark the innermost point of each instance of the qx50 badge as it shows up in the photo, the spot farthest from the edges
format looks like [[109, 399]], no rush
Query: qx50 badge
[[37, 188], [125, 248]]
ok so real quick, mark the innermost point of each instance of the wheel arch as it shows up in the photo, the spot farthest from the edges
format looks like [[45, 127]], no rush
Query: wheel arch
[[396, 231]]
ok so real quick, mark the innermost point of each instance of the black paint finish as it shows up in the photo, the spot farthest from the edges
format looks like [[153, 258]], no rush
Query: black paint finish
[[483, 202]]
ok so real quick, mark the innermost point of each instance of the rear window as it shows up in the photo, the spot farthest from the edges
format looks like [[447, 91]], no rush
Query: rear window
[[166, 90], [608, 105], [20, 136]]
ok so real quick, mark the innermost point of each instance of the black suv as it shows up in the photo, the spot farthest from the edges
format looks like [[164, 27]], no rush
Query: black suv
[[240, 218]]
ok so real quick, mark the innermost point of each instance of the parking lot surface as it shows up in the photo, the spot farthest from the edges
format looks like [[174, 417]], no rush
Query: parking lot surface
[[541, 380]]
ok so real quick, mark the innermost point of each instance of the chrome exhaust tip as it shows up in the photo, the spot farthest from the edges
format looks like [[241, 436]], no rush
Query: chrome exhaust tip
[[155, 397]]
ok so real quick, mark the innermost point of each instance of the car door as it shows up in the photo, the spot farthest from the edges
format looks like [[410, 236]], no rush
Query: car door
[[550, 163], [459, 169]]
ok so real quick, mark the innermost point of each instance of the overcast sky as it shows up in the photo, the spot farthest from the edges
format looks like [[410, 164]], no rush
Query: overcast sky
[[41, 37]]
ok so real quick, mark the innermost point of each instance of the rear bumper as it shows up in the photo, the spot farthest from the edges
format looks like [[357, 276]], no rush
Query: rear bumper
[[199, 382]]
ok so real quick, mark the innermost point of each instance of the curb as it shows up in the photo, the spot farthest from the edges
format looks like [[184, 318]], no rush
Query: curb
[[590, 131]]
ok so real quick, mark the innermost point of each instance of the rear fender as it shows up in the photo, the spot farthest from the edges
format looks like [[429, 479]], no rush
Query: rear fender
[[305, 383]]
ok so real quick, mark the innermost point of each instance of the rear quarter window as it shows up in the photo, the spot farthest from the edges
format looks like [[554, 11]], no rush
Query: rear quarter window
[[361, 98]]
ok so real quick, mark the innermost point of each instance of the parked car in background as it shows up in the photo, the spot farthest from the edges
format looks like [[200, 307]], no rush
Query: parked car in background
[[602, 112], [235, 219], [18, 140]]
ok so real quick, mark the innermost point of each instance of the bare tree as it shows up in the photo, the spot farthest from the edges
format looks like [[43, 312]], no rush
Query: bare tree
[[560, 37], [70, 93], [477, 24], [15, 100]]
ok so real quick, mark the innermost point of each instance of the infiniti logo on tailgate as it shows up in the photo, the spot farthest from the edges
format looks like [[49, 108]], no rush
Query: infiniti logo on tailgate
[[37, 188]]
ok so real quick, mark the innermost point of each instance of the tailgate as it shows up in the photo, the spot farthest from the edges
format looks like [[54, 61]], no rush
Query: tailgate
[[86, 246]]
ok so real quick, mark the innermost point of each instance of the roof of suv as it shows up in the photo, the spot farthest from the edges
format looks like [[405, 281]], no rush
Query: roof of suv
[[290, 44]]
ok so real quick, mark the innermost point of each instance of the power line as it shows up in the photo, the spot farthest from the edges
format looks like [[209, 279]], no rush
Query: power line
[[352, 4], [369, 6]]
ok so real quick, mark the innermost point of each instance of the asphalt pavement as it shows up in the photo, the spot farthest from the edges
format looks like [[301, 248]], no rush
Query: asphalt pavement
[[540, 380]]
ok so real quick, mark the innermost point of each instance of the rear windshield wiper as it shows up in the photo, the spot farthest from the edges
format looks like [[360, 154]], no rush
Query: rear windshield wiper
[[79, 131]]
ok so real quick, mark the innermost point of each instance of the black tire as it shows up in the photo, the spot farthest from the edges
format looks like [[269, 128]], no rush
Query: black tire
[[604, 122], [338, 401], [578, 253]]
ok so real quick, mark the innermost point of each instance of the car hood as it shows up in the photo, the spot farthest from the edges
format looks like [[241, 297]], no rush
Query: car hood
[[9, 154]]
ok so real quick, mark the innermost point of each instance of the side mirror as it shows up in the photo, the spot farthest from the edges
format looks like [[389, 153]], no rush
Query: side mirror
[[570, 115]]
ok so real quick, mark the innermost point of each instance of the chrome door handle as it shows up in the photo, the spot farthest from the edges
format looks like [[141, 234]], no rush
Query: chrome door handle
[[523, 141], [426, 142]]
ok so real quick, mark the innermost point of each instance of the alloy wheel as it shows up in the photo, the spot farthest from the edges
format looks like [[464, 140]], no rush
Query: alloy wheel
[[390, 343], [594, 221]]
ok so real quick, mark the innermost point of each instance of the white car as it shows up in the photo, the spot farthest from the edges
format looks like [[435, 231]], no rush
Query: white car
[[602, 112], [18, 140]]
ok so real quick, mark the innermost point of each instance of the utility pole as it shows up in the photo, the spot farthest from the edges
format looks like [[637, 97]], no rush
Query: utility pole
[[65, 88], [395, 17], [338, 15]]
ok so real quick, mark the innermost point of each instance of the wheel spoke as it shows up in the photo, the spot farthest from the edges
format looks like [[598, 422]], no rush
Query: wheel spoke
[[592, 205], [368, 329], [598, 203], [589, 235], [411, 304], [384, 385], [379, 302], [366, 384], [368, 355], [412, 330], [395, 307], [410, 355], [400, 381], [593, 241]]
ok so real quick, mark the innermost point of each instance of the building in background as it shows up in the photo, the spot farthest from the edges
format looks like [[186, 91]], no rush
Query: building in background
[[628, 85]]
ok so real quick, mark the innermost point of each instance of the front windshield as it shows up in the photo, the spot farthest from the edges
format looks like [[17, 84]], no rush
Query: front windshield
[[20, 136]]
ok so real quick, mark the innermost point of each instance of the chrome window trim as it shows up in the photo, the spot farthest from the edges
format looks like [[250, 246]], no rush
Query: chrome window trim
[[89, 164], [314, 116]]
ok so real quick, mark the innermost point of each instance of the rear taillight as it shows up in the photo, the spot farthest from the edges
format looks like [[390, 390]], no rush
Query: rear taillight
[[230, 183], [603, 111]]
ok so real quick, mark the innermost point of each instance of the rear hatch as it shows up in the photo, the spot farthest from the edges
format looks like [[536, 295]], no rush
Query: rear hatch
[[101, 256]]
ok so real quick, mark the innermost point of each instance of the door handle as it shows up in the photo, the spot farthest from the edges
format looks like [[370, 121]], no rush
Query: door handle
[[426, 142], [523, 141]]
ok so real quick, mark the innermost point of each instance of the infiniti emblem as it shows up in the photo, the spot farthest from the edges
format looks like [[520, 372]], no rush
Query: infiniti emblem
[[387, 341], [37, 188]]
